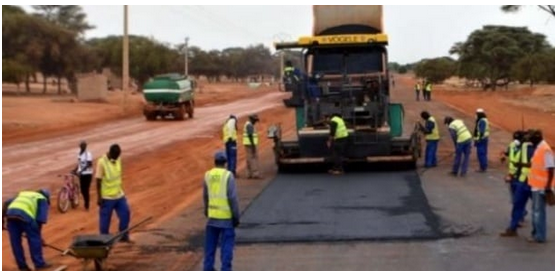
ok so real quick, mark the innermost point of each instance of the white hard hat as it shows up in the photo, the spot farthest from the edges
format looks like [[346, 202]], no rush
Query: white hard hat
[[480, 110]]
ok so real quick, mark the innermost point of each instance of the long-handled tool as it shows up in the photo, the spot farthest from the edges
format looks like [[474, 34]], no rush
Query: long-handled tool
[[122, 233]]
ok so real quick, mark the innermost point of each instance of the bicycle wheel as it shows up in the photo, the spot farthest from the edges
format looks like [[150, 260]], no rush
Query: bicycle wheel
[[75, 199], [63, 201]]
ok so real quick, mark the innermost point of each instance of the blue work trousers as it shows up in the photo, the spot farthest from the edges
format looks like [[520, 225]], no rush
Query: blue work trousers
[[418, 95], [462, 154], [231, 153], [120, 206], [16, 229], [226, 238], [430, 158], [539, 216], [482, 153], [522, 193]]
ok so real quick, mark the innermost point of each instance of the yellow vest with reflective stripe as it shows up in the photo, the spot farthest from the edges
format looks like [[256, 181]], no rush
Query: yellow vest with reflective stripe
[[524, 156], [246, 140], [417, 87], [486, 131], [228, 133], [111, 184], [461, 129], [341, 131], [429, 87], [216, 181], [513, 158], [26, 201], [434, 135]]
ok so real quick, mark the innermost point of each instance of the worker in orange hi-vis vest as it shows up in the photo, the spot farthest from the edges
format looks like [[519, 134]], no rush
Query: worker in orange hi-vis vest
[[541, 181]]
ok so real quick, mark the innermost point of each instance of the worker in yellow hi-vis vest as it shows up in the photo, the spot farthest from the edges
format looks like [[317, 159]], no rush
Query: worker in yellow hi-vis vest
[[337, 142], [110, 193], [26, 213], [250, 141], [221, 209]]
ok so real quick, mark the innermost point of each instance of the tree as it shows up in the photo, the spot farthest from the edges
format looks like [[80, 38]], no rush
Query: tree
[[13, 71], [550, 9], [436, 70], [489, 54], [70, 17]]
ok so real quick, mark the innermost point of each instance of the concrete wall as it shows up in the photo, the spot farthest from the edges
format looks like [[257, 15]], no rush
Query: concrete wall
[[92, 87]]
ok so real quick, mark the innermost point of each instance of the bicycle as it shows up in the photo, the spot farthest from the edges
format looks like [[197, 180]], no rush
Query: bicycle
[[69, 194]]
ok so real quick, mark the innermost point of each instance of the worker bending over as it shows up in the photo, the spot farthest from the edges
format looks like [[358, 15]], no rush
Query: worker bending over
[[26, 214], [462, 139]]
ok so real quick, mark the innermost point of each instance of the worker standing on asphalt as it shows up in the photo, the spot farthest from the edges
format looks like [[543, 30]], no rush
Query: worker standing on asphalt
[[541, 181], [428, 91], [417, 88], [337, 142], [26, 213], [221, 209], [250, 141], [513, 155], [462, 139], [84, 170], [110, 193], [519, 181], [229, 136], [481, 133], [431, 132]]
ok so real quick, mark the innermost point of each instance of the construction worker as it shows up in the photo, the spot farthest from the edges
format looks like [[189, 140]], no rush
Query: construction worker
[[431, 132], [26, 213], [110, 193], [417, 88], [428, 88], [541, 181], [481, 133], [221, 209], [337, 142], [519, 173], [84, 170], [462, 139], [291, 74], [229, 136], [513, 155], [250, 141]]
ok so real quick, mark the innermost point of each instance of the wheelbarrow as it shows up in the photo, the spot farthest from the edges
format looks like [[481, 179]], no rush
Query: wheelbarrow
[[96, 247]]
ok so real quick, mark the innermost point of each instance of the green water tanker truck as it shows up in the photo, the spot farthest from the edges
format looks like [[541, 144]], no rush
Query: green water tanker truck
[[169, 95]]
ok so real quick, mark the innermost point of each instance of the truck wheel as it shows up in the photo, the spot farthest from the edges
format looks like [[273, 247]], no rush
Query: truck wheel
[[150, 116], [190, 110], [180, 113]]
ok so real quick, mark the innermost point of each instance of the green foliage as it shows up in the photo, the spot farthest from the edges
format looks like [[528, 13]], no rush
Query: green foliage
[[13, 72], [550, 9], [436, 70], [488, 54], [402, 70], [69, 17]]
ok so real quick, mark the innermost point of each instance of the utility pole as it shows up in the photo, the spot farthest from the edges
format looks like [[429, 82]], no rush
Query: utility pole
[[186, 51], [125, 75]]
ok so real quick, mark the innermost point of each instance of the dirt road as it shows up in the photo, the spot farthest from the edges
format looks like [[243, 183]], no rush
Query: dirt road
[[35, 164]]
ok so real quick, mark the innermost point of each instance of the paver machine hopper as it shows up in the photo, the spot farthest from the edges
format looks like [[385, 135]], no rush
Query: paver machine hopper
[[346, 72]]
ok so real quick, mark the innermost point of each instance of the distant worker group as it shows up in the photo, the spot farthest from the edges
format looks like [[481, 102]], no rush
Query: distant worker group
[[424, 87]]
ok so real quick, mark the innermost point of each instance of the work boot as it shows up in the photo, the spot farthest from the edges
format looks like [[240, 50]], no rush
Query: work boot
[[452, 173], [509, 233], [24, 269], [533, 240], [335, 172]]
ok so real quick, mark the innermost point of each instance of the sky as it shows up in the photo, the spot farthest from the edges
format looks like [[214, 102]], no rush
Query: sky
[[415, 32]]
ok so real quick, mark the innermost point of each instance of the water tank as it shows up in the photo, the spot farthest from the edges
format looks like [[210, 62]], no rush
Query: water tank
[[337, 20]]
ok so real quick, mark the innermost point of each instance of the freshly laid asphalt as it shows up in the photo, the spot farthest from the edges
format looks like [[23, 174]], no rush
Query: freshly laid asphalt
[[356, 206]]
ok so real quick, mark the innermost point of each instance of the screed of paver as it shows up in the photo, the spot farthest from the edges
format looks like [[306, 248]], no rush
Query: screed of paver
[[357, 206]]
